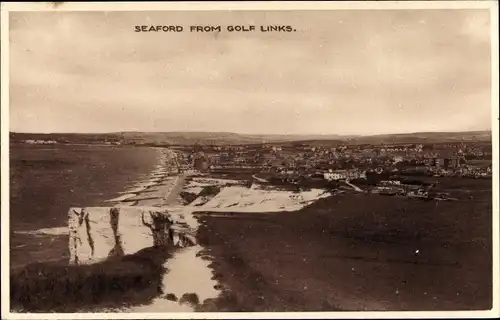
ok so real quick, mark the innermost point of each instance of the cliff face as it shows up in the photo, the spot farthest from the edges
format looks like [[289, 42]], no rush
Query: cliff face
[[97, 233]]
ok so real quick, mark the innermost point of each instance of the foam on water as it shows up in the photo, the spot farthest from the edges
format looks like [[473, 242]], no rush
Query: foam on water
[[56, 231], [133, 190], [122, 197], [146, 184]]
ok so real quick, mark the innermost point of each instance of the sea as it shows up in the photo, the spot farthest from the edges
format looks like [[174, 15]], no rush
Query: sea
[[46, 180]]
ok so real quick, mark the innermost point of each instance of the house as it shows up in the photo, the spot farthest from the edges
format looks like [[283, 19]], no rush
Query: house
[[344, 175], [200, 163], [215, 158], [397, 159], [390, 182], [453, 161], [337, 175], [40, 142]]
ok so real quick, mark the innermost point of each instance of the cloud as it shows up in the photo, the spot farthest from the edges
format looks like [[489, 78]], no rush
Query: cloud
[[341, 72]]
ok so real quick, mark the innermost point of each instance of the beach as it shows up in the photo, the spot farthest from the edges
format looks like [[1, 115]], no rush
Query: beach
[[45, 181], [144, 279]]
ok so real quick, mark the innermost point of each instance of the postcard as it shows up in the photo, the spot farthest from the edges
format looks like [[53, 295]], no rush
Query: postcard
[[195, 160]]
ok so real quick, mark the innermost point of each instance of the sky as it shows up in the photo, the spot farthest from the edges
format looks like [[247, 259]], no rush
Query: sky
[[340, 72]]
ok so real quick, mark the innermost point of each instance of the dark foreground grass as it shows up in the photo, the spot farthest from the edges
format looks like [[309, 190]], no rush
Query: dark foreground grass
[[354, 252], [120, 281]]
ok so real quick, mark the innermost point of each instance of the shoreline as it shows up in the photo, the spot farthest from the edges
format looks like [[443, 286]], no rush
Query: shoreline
[[67, 177], [172, 293]]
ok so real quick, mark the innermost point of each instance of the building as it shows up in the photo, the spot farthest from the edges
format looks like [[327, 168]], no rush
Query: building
[[448, 162], [344, 175], [440, 162], [200, 163], [335, 175], [215, 159], [390, 183], [456, 161], [40, 142]]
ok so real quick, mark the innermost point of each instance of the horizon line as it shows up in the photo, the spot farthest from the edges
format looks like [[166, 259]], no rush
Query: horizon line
[[259, 134]]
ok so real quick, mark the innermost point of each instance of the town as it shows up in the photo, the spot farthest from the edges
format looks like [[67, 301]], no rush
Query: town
[[386, 169], [295, 162]]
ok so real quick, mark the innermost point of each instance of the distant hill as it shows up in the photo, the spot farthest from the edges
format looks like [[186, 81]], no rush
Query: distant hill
[[228, 138], [170, 138], [426, 137]]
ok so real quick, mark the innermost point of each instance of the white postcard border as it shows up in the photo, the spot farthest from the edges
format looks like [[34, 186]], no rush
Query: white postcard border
[[197, 6]]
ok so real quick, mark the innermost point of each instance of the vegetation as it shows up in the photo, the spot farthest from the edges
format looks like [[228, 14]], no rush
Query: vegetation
[[209, 191], [188, 197], [118, 281]]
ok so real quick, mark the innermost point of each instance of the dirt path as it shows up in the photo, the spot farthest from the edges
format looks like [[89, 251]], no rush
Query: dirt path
[[356, 188], [173, 197]]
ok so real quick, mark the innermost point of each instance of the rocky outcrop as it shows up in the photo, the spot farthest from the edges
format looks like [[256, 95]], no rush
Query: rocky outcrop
[[96, 233]]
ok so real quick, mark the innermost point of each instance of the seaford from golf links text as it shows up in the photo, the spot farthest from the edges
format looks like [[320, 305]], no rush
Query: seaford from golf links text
[[208, 28]]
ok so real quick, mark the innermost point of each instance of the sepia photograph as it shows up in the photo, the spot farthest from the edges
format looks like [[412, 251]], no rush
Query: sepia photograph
[[249, 160]]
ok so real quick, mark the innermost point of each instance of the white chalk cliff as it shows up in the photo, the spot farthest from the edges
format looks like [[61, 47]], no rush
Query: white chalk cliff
[[96, 233]]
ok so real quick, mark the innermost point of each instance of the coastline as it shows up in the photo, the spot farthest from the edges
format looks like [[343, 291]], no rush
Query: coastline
[[66, 176], [160, 274]]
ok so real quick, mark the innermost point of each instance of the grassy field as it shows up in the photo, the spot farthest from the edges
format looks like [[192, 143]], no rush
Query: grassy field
[[356, 252]]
